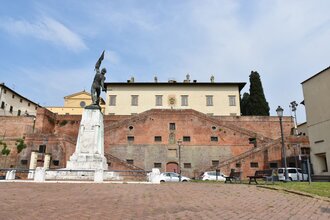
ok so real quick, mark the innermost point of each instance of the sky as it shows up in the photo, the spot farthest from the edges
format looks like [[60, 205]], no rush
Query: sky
[[48, 48]]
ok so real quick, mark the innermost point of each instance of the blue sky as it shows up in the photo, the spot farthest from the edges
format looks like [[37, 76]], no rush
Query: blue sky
[[49, 48]]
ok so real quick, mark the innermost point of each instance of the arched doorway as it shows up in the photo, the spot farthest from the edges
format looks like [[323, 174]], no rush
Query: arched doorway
[[172, 167]]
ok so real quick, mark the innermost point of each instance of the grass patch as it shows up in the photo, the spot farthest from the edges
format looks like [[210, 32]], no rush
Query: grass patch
[[315, 188]]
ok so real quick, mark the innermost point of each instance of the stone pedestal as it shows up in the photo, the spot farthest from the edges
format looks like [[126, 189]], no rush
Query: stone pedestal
[[154, 176], [40, 174], [89, 153], [10, 175]]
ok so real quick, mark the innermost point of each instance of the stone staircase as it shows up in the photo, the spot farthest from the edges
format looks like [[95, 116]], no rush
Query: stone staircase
[[130, 171], [245, 154]]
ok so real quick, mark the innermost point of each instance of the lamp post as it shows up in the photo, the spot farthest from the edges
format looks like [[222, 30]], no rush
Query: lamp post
[[279, 112], [293, 105], [179, 146]]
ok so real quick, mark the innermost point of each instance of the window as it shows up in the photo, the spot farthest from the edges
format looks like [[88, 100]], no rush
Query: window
[[186, 138], [209, 100], [82, 104], [21, 100], [29, 104], [305, 150], [11, 109], [187, 165], [56, 162], [159, 100], [158, 138], [19, 113], [13, 96], [254, 164], [273, 165], [184, 100], [232, 100], [112, 99], [172, 126], [42, 148], [4, 91], [238, 165], [215, 162], [157, 165], [135, 99], [214, 138], [292, 171], [253, 141], [2, 105], [130, 161], [24, 162], [130, 138]]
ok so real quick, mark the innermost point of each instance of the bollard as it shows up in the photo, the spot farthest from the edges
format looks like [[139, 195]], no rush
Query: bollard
[[154, 176], [10, 175], [40, 174]]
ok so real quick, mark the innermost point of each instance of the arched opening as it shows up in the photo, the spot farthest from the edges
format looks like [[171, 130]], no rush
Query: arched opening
[[172, 167]]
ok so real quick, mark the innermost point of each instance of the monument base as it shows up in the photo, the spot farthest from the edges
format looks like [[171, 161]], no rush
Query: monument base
[[89, 153], [87, 162]]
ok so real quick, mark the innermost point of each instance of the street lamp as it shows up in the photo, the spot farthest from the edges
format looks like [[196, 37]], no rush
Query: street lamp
[[179, 146], [293, 106], [279, 112]]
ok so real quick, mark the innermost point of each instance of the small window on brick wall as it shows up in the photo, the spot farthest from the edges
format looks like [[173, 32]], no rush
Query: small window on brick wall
[[215, 162], [157, 165], [187, 165], [254, 164], [56, 162], [238, 165], [24, 162], [130, 161], [172, 126], [158, 138], [253, 141], [273, 165], [130, 138], [214, 138], [186, 138]]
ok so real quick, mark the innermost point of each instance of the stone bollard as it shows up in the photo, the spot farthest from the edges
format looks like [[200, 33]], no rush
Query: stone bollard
[[154, 176], [98, 176], [40, 174], [10, 175]]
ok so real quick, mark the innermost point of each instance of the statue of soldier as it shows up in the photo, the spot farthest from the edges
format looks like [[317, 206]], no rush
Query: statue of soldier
[[98, 82]]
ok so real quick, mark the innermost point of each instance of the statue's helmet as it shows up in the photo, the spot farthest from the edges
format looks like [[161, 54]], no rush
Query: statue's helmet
[[103, 71]]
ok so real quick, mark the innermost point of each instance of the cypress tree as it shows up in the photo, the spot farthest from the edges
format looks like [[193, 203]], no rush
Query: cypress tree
[[244, 104], [255, 103]]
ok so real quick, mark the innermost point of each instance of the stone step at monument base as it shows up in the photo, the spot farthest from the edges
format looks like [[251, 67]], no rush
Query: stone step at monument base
[[87, 162], [65, 174]]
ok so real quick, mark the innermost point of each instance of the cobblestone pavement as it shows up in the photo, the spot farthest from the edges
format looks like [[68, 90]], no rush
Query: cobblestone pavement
[[164, 201]]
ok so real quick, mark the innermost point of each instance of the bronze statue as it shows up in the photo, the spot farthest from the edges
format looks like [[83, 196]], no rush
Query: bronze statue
[[98, 82]]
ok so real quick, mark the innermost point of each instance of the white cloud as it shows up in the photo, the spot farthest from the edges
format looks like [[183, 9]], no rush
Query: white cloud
[[46, 29]]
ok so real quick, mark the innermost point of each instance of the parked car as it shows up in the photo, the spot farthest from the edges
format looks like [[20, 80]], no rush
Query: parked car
[[172, 177], [211, 175], [294, 174]]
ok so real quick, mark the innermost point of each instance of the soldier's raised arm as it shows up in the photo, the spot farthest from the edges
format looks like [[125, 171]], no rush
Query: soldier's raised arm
[[98, 63]]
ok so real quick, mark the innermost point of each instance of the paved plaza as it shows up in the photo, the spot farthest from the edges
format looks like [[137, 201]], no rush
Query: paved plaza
[[164, 201]]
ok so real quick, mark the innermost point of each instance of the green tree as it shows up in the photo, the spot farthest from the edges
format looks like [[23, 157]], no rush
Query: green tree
[[255, 103], [245, 103], [20, 145], [5, 151]]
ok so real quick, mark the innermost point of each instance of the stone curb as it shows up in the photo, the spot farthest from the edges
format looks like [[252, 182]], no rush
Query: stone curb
[[74, 182], [297, 193]]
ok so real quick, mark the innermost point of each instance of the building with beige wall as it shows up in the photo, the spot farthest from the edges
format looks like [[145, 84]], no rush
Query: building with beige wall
[[75, 103], [209, 98], [14, 104], [316, 91]]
